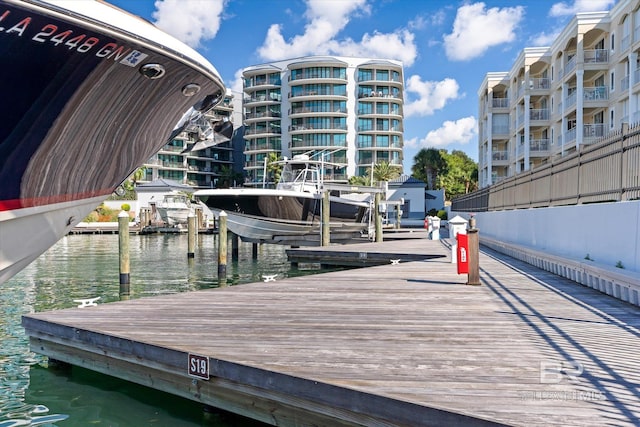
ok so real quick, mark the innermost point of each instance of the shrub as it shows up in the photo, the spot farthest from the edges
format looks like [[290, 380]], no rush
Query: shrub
[[442, 214], [125, 207]]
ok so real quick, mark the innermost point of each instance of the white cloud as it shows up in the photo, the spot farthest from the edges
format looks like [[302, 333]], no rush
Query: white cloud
[[476, 29], [544, 39], [189, 21], [564, 9], [326, 20], [458, 132], [431, 95], [236, 85]]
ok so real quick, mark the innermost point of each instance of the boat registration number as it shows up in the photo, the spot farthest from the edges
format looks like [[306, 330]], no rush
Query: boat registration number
[[20, 25]]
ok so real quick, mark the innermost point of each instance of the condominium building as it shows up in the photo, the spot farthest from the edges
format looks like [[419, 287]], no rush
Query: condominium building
[[198, 168], [556, 99], [348, 111]]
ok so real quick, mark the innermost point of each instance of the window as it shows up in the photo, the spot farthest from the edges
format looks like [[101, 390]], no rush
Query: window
[[611, 119], [613, 42], [613, 81], [365, 74]]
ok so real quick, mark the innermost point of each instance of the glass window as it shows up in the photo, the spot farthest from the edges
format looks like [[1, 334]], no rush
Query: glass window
[[365, 108], [365, 74], [382, 141]]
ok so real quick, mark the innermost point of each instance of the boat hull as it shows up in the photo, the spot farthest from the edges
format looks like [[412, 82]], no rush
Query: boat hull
[[30, 231], [296, 233], [174, 216], [84, 114], [279, 204]]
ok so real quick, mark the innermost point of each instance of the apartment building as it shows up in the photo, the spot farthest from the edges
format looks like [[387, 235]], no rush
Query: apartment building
[[200, 168], [346, 110], [556, 99]]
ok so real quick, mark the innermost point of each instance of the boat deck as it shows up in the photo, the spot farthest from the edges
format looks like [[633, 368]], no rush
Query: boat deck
[[398, 344]]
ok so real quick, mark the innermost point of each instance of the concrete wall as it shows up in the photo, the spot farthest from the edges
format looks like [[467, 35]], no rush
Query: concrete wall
[[608, 232]]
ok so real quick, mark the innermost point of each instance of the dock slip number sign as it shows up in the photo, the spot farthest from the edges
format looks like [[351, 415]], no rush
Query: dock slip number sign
[[198, 366]]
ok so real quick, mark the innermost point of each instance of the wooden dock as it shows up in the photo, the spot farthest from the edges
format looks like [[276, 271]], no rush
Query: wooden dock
[[404, 344]]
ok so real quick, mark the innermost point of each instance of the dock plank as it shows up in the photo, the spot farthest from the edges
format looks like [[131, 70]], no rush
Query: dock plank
[[405, 344]]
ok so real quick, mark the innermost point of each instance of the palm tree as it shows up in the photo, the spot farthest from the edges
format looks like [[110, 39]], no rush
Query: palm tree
[[428, 164], [275, 169], [226, 176], [385, 171], [360, 180]]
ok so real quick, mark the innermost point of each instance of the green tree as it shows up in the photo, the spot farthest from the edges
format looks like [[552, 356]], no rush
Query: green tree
[[274, 169], [428, 165], [461, 176], [384, 171], [226, 176], [360, 180]]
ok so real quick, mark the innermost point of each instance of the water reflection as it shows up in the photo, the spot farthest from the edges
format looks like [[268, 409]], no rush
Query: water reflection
[[86, 266]]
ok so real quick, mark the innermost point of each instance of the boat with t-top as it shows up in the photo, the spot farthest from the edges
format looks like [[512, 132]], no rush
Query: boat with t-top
[[90, 93], [291, 212]]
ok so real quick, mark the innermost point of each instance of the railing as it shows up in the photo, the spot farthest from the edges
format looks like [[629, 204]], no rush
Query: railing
[[605, 171], [539, 114], [625, 43], [596, 56], [500, 155], [596, 93], [500, 102], [624, 83]]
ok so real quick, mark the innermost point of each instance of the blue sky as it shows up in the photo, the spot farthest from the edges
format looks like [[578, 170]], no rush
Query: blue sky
[[446, 47]]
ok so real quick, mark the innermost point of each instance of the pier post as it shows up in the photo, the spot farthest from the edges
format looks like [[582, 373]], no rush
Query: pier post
[[123, 250], [191, 231], [473, 240], [378, 217], [222, 246], [254, 251], [235, 247], [326, 218], [398, 216]]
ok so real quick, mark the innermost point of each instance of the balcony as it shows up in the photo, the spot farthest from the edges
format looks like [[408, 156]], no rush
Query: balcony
[[500, 156], [539, 114], [624, 83], [598, 93], [500, 102], [594, 131], [539, 145], [317, 126], [539, 83], [569, 66], [596, 56]]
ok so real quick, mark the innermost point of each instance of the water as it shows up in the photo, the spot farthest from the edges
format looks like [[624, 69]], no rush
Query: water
[[85, 266]]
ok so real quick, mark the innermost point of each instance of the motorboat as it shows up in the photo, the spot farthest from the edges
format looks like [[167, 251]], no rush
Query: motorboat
[[90, 93], [291, 212], [174, 209]]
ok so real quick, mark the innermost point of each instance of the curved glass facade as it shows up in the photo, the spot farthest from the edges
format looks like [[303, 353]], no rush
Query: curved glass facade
[[347, 109]]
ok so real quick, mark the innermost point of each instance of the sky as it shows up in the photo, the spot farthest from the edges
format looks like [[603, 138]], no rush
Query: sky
[[446, 47]]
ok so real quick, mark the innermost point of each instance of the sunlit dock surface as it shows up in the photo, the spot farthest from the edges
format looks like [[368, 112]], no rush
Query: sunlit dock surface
[[403, 343]]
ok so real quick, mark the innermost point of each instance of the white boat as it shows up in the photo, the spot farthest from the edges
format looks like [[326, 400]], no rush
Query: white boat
[[174, 209], [290, 213], [91, 92]]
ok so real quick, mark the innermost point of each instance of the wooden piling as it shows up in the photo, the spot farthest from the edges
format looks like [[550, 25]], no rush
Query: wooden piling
[[473, 240], [326, 218], [123, 250], [378, 217], [254, 251], [191, 233], [235, 244], [222, 246]]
